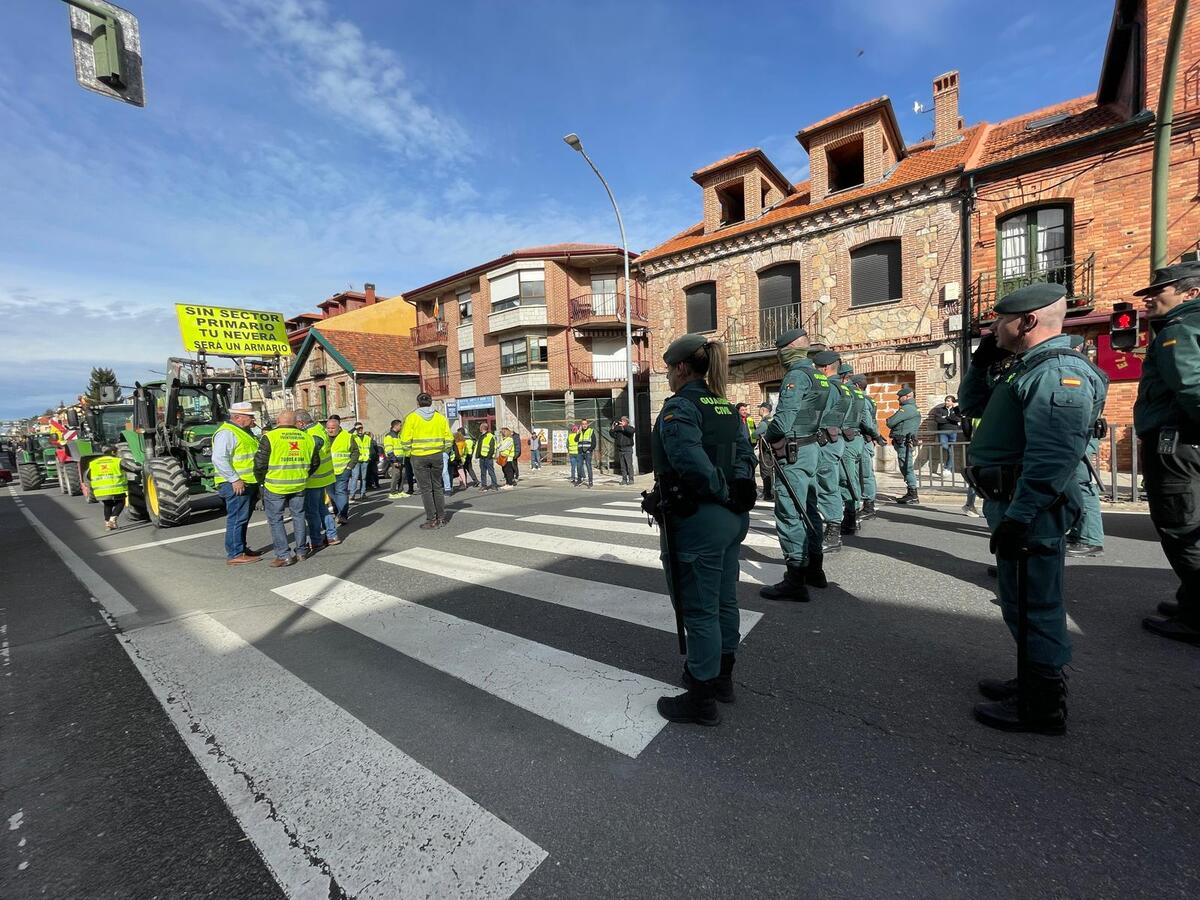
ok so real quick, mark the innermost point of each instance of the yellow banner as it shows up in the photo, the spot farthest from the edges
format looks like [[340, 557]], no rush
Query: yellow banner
[[224, 331]]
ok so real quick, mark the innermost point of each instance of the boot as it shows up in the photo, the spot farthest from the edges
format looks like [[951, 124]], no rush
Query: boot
[[831, 540], [791, 588], [723, 682], [814, 572], [1179, 628], [1169, 608], [995, 689], [909, 497], [850, 519], [1044, 712], [868, 510], [698, 705]]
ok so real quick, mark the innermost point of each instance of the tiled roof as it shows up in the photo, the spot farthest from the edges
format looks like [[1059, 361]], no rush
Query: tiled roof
[[568, 248], [922, 162], [726, 162], [850, 113], [1012, 138], [383, 353]]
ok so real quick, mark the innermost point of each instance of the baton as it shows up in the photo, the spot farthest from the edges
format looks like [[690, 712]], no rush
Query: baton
[[1087, 461], [781, 474], [850, 481]]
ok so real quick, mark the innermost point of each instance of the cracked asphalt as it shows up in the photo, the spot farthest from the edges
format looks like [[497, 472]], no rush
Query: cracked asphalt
[[849, 766]]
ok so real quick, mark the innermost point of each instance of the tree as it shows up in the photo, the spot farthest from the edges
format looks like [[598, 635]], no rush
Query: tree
[[101, 378]]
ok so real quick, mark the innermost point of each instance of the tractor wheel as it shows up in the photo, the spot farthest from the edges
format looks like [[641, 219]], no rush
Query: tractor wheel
[[135, 501], [72, 477], [30, 476], [165, 488]]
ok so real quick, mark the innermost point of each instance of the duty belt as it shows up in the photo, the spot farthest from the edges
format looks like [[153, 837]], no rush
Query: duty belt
[[993, 482], [803, 440], [850, 433]]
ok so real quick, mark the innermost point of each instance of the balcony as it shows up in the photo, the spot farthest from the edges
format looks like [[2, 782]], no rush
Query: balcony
[[430, 334], [769, 324], [606, 310], [523, 379], [1077, 277], [436, 385], [608, 371], [518, 318]]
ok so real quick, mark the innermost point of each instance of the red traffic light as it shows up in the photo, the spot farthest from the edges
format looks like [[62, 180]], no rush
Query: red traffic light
[[1123, 320]]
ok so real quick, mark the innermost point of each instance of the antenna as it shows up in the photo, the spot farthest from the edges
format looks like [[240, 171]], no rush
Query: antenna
[[919, 107]]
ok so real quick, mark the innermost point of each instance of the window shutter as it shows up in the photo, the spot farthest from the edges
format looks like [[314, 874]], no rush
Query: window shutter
[[779, 286], [702, 307], [506, 287], [875, 273]]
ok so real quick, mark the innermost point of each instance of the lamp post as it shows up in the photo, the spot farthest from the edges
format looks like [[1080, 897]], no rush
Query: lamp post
[[572, 141]]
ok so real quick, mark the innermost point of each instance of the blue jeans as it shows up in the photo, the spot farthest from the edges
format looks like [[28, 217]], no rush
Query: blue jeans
[[585, 461], [535, 457], [487, 469], [358, 479], [573, 458], [946, 439], [447, 487], [274, 505], [237, 516], [339, 493], [317, 516]]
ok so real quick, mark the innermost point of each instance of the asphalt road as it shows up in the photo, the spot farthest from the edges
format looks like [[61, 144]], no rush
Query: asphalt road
[[386, 720]]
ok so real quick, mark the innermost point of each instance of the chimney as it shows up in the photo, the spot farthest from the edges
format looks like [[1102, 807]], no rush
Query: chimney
[[946, 123], [369, 290]]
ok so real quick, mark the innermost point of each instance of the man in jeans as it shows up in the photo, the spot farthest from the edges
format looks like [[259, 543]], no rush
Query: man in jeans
[[234, 446], [587, 441], [485, 450], [344, 453], [948, 420], [285, 459], [622, 435], [426, 439]]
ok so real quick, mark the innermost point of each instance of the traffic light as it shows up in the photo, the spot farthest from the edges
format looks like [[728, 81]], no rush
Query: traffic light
[[1123, 327]]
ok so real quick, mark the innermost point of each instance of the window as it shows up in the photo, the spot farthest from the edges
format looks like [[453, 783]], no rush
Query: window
[[443, 368], [875, 273], [845, 164], [701, 302], [466, 363], [341, 393], [526, 287], [604, 295], [464, 305], [306, 400], [732, 198], [778, 301], [324, 401], [1034, 246], [533, 288], [523, 354]]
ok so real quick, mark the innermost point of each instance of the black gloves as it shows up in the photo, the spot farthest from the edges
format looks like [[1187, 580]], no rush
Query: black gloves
[[743, 494], [988, 352], [1010, 538]]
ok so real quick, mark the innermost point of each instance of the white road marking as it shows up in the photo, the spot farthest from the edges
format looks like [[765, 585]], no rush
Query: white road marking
[[765, 504], [614, 513], [753, 572], [636, 504], [601, 702], [457, 509], [753, 539], [336, 792], [174, 540], [612, 601], [103, 592]]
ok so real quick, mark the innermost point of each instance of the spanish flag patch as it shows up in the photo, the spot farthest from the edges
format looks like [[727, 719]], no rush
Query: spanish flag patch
[[1071, 382], [1170, 343]]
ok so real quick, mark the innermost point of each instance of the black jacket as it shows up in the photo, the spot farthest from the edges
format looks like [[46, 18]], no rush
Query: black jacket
[[622, 435], [946, 419]]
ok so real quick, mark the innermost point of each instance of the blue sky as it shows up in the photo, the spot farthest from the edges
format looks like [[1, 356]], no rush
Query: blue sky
[[292, 148]]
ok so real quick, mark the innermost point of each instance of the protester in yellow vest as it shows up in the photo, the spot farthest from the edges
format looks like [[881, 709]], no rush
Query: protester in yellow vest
[[485, 452], [344, 452], [322, 524], [466, 454], [108, 484], [285, 459], [425, 437], [234, 447], [398, 464], [358, 477], [585, 442]]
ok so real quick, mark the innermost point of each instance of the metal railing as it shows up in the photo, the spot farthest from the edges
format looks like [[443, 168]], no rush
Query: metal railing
[[607, 370], [1078, 277], [769, 324], [436, 385], [429, 333], [605, 307]]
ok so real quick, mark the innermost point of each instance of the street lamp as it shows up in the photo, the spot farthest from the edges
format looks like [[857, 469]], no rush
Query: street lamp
[[572, 141]]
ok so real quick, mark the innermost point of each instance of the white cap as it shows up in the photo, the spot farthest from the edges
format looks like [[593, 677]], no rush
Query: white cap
[[243, 408]]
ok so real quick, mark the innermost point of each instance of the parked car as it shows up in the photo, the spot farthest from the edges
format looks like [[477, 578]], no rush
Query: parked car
[[5, 476]]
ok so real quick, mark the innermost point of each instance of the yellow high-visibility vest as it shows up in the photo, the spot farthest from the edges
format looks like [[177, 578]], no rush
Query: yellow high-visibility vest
[[391, 443], [106, 478], [340, 449], [425, 437], [573, 443], [487, 445], [242, 461], [291, 455], [364, 446], [470, 446], [323, 476]]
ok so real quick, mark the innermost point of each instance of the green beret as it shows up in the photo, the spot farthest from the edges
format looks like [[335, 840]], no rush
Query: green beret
[[904, 391], [682, 348], [1030, 298], [788, 336], [825, 358], [845, 369], [1075, 340], [1170, 275]]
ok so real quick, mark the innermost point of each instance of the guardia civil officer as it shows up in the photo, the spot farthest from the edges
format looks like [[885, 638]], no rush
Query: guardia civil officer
[[1039, 401], [902, 429], [704, 467], [792, 434], [832, 447], [849, 474], [1166, 417], [868, 424]]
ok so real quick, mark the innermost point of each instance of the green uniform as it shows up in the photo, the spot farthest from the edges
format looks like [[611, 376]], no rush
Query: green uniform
[[829, 464], [1038, 414], [1169, 397], [852, 445], [902, 429], [869, 425], [1089, 529], [804, 396], [700, 443]]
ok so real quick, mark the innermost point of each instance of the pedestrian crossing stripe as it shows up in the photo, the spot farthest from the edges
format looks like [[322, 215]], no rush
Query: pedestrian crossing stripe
[[608, 705], [753, 539]]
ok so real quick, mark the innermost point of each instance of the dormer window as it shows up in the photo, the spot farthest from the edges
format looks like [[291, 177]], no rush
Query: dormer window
[[732, 197], [845, 164]]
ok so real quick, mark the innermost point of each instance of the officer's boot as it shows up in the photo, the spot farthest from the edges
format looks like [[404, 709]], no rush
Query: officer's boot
[[850, 519], [791, 588], [723, 682], [996, 689], [814, 572], [697, 705], [868, 510], [910, 496], [832, 538], [1044, 710]]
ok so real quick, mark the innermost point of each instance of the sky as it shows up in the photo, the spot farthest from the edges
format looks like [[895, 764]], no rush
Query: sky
[[290, 149]]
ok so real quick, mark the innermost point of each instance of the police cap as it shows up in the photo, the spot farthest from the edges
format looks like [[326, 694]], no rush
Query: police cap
[[1030, 298], [860, 381], [788, 336], [904, 391], [845, 369], [825, 358], [1170, 275], [681, 348]]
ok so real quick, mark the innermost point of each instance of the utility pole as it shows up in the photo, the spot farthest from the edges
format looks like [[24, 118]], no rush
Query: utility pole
[[1162, 140]]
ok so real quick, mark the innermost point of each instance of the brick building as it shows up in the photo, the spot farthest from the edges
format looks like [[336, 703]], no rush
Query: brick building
[[1063, 194], [865, 254], [534, 338]]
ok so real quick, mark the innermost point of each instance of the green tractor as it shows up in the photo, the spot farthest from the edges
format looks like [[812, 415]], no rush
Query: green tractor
[[167, 453], [37, 462], [99, 425]]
